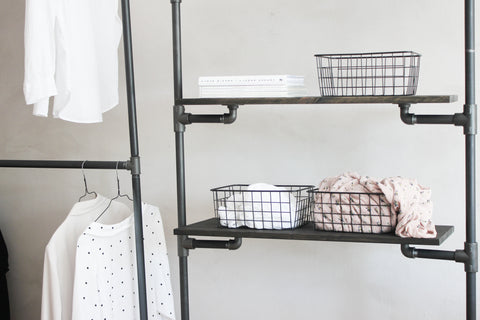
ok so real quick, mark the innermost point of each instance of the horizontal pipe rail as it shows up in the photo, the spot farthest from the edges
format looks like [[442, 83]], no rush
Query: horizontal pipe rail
[[65, 164], [468, 256], [457, 119], [226, 118], [191, 243], [412, 252]]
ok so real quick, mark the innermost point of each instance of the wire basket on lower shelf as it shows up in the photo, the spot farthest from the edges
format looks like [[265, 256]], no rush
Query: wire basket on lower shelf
[[368, 74], [352, 212], [280, 207]]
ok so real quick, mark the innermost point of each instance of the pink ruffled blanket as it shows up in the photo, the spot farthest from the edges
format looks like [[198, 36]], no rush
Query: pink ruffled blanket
[[402, 204]]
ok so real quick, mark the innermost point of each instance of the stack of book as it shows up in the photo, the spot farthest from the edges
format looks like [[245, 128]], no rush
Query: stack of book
[[252, 86]]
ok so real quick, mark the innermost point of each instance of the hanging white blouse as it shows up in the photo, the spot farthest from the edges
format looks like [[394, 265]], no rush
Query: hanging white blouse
[[105, 285], [71, 52], [59, 263]]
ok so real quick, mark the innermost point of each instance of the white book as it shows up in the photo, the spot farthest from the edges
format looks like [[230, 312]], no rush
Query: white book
[[254, 95], [246, 93], [251, 88], [252, 80]]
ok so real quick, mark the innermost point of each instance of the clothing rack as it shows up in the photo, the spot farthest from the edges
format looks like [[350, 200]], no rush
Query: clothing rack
[[133, 164]]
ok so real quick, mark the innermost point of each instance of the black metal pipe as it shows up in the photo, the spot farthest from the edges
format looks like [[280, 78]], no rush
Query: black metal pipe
[[191, 243], [177, 50], [135, 159], [412, 252], [458, 119], [469, 52], [470, 188], [184, 304], [435, 119], [182, 221], [470, 109], [204, 118], [65, 164], [471, 292], [180, 167], [140, 255], [130, 79], [179, 128], [226, 118]]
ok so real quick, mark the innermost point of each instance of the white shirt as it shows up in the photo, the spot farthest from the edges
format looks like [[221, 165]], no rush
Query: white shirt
[[71, 52], [59, 263], [105, 285]]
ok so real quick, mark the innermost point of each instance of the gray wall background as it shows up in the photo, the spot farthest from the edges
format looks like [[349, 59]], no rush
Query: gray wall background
[[273, 144]]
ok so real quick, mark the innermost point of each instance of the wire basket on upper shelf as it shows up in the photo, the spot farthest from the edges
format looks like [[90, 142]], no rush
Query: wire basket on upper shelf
[[368, 74], [352, 212], [259, 207]]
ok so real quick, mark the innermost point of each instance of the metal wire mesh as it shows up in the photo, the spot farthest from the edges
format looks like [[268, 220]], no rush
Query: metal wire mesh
[[237, 206], [368, 74], [353, 212]]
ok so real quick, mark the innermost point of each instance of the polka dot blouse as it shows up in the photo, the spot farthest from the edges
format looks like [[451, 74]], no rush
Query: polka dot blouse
[[105, 285]]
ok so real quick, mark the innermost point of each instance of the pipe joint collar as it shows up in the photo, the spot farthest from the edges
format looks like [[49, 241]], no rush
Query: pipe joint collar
[[469, 256], [178, 118], [134, 165], [470, 115]]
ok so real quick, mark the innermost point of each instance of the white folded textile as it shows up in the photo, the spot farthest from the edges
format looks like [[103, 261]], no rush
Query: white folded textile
[[262, 206]]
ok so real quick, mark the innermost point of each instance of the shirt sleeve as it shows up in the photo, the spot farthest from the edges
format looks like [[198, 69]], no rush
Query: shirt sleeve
[[159, 291], [51, 295], [39, 82]]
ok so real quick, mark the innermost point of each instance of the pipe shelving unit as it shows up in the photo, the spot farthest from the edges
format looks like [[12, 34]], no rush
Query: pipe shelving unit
[[468, 255], [133, 164]]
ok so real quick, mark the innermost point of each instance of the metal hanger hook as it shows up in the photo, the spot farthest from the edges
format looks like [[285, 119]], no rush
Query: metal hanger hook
[[118, 179], [85, 183], [84, 177]]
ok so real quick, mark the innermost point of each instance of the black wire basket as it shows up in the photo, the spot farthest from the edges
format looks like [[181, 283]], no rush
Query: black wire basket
[[352, 212], [368, 74], [287, 207]]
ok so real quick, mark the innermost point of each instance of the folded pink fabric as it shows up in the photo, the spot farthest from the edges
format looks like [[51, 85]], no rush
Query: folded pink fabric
[[413, 205], [392, 203]]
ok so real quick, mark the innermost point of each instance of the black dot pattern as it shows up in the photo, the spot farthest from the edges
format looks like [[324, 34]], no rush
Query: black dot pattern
[[105, 285]]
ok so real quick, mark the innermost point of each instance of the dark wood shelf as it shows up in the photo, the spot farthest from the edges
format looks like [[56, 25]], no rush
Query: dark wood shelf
[[211, 228], [320, 100]]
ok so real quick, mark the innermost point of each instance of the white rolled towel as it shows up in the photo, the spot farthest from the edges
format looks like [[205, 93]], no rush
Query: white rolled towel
[[266, 207]]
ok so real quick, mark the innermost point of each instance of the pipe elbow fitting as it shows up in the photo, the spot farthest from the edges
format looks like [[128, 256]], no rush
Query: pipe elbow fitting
[[231, 116], [234, 244], [408, 118], [408, 251]]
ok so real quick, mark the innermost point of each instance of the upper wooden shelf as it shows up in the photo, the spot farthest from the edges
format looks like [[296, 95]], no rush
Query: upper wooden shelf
[[320, 100]]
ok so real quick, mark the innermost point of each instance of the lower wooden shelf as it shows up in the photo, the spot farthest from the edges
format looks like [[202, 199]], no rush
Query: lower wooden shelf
[[211, 228]]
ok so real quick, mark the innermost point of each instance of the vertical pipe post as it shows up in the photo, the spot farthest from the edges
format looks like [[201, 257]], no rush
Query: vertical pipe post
[[180, 161], [135, 159], [177, 50], [470, 132], [181, 207]]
